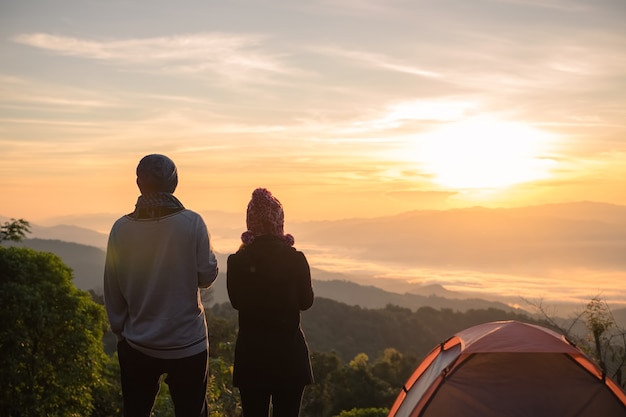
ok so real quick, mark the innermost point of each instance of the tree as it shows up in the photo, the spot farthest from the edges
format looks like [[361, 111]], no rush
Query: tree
[[107, 396], [394, 367], [224, 400], [51, 352], [318, 397], [605, 341], [608, 341], [365, 412], [14, 230], [354, 386]]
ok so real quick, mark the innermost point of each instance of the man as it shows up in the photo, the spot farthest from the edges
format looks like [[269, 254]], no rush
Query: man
[[157, 259]]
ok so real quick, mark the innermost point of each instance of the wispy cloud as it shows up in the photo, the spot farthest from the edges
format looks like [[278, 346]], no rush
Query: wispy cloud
[[25, 93], [228, 55], [377, 61], [160, 49]]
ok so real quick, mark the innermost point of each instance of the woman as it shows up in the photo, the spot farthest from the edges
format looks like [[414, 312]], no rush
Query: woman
[[269, 283]]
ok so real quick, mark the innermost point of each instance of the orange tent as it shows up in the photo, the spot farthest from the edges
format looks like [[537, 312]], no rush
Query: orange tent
[[508, 368]]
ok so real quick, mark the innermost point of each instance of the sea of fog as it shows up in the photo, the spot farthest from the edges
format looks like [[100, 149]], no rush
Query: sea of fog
[[568, 290]]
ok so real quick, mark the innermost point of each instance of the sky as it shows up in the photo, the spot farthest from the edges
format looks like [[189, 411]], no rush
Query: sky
[[342, 108]]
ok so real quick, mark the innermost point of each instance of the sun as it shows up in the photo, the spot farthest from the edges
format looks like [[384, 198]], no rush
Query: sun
[[484, 154]]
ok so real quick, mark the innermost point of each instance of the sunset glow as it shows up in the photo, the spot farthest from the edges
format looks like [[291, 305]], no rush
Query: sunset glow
[[485, 154]]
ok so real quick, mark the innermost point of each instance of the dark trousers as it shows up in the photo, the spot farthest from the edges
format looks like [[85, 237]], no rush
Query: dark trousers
[[285, 401], [141, 378]]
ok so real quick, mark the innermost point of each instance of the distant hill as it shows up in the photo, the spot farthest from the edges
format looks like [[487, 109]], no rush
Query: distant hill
[[69, 233], [87, 262], [88, 265]]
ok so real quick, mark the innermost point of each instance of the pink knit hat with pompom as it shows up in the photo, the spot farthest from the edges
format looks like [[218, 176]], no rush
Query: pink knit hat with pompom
[[265, 216]]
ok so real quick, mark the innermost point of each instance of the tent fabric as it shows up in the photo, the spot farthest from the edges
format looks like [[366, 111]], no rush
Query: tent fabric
[[512, 336], [508, 369]]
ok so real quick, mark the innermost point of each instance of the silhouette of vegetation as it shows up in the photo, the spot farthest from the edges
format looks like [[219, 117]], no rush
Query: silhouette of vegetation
[[605, 340], [14, 230]]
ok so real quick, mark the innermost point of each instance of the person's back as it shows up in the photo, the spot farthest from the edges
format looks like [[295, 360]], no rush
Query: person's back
[[269, 283], [157, 259], [157, 276]]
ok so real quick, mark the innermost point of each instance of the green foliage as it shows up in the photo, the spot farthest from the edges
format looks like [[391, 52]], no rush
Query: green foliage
[[14, 230], [51, 352], [163, 405], [355, 386], [223, 398], [319, 397], [222, 335], [365, 412], [107, 396], [87, 262], [394, 367], [349, 330]]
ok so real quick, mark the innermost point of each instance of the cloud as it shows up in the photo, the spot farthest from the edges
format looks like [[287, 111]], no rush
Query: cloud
[[376, 61], [160, 49], [22, 93], [234, 56]]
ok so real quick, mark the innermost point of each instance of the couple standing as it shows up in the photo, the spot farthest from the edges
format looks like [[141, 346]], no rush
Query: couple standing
[[159, 256]]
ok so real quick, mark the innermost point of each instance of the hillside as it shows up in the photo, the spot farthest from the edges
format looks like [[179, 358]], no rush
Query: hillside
[[349, 330]]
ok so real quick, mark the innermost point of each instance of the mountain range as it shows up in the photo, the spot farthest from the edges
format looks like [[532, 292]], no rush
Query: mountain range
[[531, 240]]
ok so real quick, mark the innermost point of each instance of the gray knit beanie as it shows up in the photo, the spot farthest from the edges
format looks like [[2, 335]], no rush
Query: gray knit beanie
[[156, 173]]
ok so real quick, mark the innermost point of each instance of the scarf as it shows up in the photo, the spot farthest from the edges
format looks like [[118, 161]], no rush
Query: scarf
[[155, 205]]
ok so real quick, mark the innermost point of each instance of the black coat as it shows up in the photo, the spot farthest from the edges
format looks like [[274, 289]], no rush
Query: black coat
[[269, 283]]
